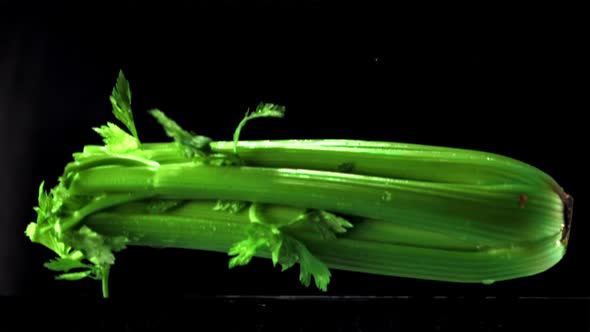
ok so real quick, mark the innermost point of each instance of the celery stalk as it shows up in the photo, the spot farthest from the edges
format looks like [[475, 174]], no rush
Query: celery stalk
[[387, 208]]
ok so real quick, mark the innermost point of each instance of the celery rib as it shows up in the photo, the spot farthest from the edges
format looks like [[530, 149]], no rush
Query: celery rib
[[384, 200], [348, 253]]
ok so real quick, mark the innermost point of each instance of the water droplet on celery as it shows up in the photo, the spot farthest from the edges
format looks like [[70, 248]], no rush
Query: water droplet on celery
[[386, 196]]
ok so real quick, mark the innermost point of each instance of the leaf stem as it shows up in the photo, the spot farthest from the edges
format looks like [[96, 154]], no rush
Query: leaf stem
[[105, 281]]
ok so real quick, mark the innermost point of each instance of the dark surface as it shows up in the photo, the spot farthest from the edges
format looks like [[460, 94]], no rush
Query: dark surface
[[308, 314], [509, 91]]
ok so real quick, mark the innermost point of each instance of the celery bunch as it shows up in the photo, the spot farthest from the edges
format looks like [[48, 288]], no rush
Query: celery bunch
[[386, 208]]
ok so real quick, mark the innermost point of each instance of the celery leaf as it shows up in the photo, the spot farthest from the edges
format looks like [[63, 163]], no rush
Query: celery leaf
[[121, 101], [284, 248], [191, 145], [263, 110], [230, 206], [327, 224], [74, 275], [116, 139], [47, 229], [293, 251], [97, 249], [259, 236], [156, 206], [65, 264], [243, 251]]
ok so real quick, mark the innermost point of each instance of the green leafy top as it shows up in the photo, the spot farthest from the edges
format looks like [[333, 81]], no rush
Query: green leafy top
[[82, 252], [80, 249], [76, 249], [121, 101]]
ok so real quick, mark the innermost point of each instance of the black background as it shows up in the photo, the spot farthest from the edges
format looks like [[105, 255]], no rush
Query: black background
[[498, 86]]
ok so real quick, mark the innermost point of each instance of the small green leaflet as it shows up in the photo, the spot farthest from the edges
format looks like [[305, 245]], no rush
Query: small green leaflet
[[49, 204], [156, 206], [74, 275], [191, 145], [259, 235], [230, 206], [121, 101], [65, 264], [286, 249], [98, 249], [243, 251], [263, 110], [293, 251], [116, 139], [325, 223], [222, 159], [47, 238], [44, 204], [91, 246]]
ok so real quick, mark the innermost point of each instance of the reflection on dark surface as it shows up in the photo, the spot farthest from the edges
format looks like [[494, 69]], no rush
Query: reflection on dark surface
[[326, 313]]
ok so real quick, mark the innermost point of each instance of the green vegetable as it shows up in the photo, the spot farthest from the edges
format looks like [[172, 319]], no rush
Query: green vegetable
[[385, 208]]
